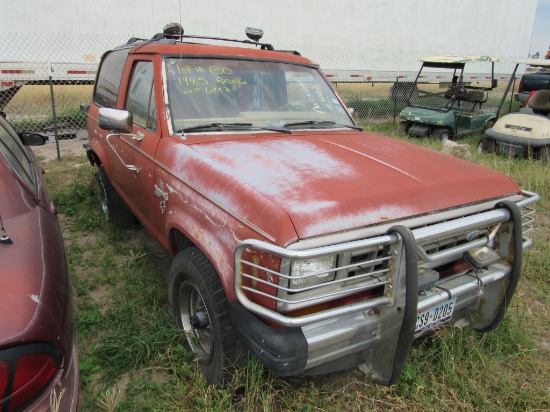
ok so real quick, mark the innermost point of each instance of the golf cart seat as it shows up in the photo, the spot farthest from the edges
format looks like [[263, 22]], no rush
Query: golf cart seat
[[540, 102], [476, 96], [467, 95], [462, 94]]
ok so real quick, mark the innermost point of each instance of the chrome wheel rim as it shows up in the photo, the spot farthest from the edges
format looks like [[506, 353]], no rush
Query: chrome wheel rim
[[195, 320], [103, 198]]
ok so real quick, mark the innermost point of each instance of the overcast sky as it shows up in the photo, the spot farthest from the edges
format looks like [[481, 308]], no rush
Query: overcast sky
[[540, 41]]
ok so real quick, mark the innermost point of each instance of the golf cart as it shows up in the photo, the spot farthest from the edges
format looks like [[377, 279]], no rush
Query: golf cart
[[442, 104], [526, 133]]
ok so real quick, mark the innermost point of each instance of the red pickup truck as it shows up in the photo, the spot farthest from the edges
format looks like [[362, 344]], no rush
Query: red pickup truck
[[319, 246]]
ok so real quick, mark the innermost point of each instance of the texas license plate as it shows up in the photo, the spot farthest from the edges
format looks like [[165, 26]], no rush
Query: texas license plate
[[434, 316]]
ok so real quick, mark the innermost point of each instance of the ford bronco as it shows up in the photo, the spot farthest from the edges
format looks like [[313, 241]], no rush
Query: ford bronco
[[319, 246]]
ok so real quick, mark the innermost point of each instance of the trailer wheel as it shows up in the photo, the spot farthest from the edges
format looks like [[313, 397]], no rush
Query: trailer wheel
[[442, 133], [486, 145], [201, 309], [113, 206], [544, 154], [406, 92]]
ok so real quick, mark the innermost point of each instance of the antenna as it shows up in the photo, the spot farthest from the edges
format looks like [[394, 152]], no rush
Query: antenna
[[4, 238]]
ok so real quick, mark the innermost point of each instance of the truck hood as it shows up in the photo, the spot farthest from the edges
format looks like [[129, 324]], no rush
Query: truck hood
[[335, 181]]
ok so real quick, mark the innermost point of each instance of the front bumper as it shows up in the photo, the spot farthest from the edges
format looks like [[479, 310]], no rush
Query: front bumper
[[507, 144], [377, 333]]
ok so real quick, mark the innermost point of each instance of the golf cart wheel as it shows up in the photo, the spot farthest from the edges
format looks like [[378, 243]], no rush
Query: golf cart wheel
[[442, 133], [544, 154], [201, 309], [403, 126], [486, 145], [489, 124]]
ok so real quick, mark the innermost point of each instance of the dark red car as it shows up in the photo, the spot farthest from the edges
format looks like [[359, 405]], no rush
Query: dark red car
[[38, 356]]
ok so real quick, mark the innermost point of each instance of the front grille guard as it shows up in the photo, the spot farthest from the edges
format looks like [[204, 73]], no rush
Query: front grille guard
[[386, 277]]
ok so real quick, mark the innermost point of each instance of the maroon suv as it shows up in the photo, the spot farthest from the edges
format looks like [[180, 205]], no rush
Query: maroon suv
[[38, 356]]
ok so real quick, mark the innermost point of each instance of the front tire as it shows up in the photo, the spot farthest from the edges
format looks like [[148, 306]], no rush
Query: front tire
[[112, 205], [486, 145], [201, 309]]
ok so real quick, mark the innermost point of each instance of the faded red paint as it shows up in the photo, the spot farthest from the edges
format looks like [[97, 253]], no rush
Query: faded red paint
[[333, 181]]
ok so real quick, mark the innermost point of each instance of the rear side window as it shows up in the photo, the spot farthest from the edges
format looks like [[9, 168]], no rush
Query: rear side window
[[109, 78]]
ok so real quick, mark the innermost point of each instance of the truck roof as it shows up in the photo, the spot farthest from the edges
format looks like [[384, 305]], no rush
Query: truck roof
[[173, 47]]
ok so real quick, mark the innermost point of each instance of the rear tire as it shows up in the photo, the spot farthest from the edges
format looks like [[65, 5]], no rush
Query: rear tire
[[442, 133], [403, 126], [201, 309], [113, 206]]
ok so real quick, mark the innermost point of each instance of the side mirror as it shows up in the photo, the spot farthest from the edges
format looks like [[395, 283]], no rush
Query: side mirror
[[495, 83], [120, 121], [33, 139]]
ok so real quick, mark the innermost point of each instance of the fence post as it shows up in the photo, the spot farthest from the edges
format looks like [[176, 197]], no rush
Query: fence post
[[54, 117], [395, 88]]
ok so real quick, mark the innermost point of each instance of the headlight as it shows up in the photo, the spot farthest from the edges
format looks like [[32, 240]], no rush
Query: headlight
[[312, 271]]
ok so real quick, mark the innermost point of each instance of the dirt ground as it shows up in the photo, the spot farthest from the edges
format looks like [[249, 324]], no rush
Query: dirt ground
[[71, 147]]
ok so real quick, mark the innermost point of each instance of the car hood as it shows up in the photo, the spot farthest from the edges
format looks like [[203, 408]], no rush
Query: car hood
[[335, 181], [32, 285]]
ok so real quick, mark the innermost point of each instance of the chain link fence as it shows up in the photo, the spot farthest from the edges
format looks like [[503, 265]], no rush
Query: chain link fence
[[45, 79]]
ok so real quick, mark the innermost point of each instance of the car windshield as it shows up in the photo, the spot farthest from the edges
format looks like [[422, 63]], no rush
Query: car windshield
[[225, 94]]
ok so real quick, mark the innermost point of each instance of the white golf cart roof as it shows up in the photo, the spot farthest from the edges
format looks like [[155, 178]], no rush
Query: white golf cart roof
[[448, 58], [535, 62]]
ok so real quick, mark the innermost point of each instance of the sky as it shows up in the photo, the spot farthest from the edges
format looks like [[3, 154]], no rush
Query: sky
[[540, 41]]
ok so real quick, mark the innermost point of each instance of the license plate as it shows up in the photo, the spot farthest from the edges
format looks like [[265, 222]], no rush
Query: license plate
[[434, 316]]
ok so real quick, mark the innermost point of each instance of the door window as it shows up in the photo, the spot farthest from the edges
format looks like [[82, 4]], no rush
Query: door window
[[141, 96]]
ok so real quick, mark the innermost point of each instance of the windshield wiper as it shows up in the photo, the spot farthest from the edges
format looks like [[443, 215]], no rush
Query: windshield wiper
[[231, 126], [215, 126], [321, 123]]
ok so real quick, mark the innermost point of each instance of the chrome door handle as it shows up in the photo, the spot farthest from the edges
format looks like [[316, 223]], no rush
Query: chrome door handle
[[138, 136]]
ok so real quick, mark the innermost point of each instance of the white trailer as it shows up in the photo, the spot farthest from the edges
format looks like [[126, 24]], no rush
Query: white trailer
[[352, 40]]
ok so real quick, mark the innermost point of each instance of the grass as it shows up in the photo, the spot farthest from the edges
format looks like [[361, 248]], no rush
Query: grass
[[132, 357]]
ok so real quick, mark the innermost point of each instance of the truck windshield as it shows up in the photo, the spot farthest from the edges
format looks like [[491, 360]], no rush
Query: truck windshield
[[249, 93]]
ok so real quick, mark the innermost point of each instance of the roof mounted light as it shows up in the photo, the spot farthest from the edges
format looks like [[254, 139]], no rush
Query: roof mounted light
[[173, 31], [254, 34]]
